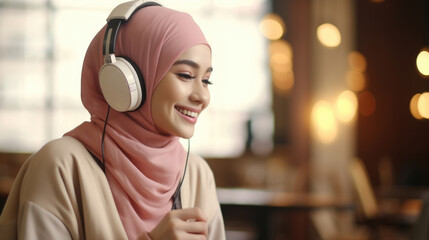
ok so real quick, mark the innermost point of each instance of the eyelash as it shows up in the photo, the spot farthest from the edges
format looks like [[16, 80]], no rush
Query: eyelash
[[187, 76], [206, 81]]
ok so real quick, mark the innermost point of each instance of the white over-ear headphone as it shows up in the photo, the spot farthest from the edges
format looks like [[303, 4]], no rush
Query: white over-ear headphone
[[120, 80]]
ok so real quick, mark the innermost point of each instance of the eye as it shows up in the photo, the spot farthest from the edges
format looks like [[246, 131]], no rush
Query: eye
[[208, 82], [185, 76]]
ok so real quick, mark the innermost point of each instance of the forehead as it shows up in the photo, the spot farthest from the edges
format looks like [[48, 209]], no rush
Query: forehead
[[200, 54]]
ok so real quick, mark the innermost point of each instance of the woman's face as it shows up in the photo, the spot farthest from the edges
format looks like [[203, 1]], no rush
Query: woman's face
[[183, 93]]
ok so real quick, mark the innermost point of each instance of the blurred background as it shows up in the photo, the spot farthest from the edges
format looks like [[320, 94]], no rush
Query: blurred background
[[318, 126]]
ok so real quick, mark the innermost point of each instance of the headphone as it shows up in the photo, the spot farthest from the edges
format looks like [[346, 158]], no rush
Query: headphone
[[120, 80]]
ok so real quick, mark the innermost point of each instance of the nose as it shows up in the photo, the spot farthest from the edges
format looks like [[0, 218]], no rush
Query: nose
[[200, 94]]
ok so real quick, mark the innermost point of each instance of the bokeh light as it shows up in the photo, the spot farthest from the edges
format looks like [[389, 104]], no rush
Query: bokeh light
[[329, 35], [357, 61], [281, 46], [423, 105], [323, 120], [414, 108], [356, 80], [272, 26], [280, 62], [346, 106], [281, 66], [283, 82], [367, 103], [422, 62]]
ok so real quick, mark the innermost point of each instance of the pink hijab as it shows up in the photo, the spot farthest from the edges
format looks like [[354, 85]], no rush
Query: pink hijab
[[143, 167]]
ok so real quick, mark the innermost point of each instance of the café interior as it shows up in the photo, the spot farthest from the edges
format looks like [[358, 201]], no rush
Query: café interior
[[318, 124]]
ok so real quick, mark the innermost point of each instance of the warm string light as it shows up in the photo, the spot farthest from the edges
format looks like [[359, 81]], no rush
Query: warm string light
[[273, 28], [329, 35], [281, 63], [414, 109], [346, 106], [323, 120], [356, 80], [423, 105], [422, 62], [325, 116], [419, 103]]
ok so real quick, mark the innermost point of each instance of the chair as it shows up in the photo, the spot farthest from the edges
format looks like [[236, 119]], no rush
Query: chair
[[421, 228], [373, 211], [364, 190]]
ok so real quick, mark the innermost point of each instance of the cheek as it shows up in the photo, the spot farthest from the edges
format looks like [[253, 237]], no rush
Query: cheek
[[208, 99], [174, 96], [168, 94]]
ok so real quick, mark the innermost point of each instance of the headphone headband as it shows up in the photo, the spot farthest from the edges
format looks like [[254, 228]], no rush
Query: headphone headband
[[124, 10], [119, 14]]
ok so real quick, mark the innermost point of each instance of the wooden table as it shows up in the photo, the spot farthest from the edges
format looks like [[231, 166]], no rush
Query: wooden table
[[268, 211]]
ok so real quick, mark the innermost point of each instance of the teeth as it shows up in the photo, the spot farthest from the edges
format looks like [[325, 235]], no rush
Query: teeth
[[187, 112]]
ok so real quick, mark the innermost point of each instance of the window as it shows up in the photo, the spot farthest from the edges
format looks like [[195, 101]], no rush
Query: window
[[42, 46]]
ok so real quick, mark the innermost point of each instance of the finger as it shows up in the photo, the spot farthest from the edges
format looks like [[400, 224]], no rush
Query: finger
[[188, 236], [191, 214], [195, 237], [196, 227]]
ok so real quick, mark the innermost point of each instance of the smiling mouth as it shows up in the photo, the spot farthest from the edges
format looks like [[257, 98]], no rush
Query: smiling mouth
[[187, 112]]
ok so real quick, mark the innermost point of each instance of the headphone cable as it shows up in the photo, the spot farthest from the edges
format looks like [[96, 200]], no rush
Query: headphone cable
[[186, 164], [177, 192], [103, 163]]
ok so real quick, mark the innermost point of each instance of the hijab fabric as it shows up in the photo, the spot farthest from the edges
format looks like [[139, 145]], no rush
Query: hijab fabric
[[143, 167]]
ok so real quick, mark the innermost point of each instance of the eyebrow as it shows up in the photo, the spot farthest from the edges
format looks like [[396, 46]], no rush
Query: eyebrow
[[192, 64]]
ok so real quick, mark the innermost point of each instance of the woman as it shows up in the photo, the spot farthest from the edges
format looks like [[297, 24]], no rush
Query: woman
[[120, 175]]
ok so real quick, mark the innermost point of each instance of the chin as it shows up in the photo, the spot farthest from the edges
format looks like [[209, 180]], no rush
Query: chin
[[186, 134]]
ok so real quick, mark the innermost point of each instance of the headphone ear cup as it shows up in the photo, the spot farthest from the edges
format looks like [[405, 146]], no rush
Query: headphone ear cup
[[122, 85]]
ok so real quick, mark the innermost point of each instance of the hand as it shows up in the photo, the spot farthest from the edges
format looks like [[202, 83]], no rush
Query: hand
[[189, 224]]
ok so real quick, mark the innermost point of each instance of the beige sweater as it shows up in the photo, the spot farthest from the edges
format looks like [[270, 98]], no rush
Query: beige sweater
[[61, 193]]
